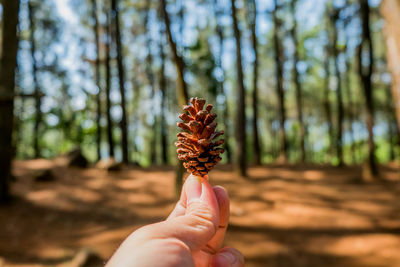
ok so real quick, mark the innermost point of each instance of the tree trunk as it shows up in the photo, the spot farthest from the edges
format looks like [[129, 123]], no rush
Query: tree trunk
[[150, 78], [38, 102], [221, 85], [241, 116], [181, 17], [365, 71], [279, 84], [163, 87], [97, 77], [296, 78], [110, 139], [326, 101], [350, 104], [121, 78], [339, 98], [392, 131], [390, 10], [182, 93], [350, 110], [8, 63], [252, 17]]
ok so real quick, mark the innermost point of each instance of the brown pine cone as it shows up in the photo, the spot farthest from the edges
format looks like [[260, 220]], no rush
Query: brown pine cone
[[196, 146]]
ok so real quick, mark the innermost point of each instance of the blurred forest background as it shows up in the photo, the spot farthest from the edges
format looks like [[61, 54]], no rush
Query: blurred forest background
[[298, 85]]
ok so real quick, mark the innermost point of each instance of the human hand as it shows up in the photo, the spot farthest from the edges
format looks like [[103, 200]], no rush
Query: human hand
[[192, 235]]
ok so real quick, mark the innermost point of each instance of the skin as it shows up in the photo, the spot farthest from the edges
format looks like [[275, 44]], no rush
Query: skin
[[192, 235]]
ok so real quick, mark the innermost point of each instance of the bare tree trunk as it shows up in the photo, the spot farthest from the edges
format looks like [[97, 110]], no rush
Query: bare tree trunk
[[221, 86], [97, 78], [390, 10], [252, 17], [150, 78], [326, 101], [38, 102], [121, 78], [8, 63], [348, 90], [279, 84], [365, 72], [350, 110], [163, 87], [183, 96], [339, 98], [181, 16], [296, 77], [110, 139], [182, 93], [391, 132], [241, 115], [136, 116]]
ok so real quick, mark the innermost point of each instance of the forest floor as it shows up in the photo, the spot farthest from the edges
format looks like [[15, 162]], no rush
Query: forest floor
[[280, 216]]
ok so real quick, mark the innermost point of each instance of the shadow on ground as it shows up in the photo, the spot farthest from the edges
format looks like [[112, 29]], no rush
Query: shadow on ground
[[280, 216]]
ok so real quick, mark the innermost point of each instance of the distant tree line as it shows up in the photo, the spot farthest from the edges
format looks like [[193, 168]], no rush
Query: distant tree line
[[113, 83]]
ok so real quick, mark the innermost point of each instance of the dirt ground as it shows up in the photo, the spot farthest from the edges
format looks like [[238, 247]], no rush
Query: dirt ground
[[280, 215]]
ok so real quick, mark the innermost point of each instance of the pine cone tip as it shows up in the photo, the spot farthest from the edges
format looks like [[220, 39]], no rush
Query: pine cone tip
[[196, 145]]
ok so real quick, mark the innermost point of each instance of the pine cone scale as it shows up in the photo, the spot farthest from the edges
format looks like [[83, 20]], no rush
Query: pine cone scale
[[195, 145]]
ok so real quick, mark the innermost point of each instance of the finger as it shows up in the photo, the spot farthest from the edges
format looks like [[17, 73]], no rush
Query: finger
[[228, 257], [180, 207], [201, 220], [203, 256], [223, 205]]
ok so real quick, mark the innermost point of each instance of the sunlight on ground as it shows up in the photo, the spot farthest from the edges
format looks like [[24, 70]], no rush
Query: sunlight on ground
[[280, 216]]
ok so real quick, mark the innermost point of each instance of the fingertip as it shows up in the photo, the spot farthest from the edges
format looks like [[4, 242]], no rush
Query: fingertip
[[228, 257], [223, 203], [221, 194], [208, 196], [193, 187]]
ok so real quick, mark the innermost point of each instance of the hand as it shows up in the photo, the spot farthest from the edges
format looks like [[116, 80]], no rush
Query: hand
[[191, 236]]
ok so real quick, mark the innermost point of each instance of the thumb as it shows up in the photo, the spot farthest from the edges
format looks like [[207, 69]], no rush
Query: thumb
[[200, 221]]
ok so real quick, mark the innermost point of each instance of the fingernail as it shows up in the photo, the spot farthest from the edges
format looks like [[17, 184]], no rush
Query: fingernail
[[193, 188], [229, 257]]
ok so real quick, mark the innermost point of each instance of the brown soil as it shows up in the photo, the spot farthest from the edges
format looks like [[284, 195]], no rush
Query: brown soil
[[280, 215]]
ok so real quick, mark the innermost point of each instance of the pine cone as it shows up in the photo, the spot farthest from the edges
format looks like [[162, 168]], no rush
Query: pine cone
[[196, 146]]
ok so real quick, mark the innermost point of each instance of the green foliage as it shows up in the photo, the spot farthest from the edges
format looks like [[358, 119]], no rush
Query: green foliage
[[65, 55]]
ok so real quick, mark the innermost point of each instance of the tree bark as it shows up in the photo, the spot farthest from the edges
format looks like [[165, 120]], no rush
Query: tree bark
[[365, 71], [339, 98], [121, 78], [279, 84], [296, 78], [221, 85], [241, 116], [97, 78], [252, 17], [110, 139], [182, 93], [392, 130], [326, 101], [8, 64], [350, 110], [390, 10], [348, 90], [37, 97], [163, 87], [150, 78]]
